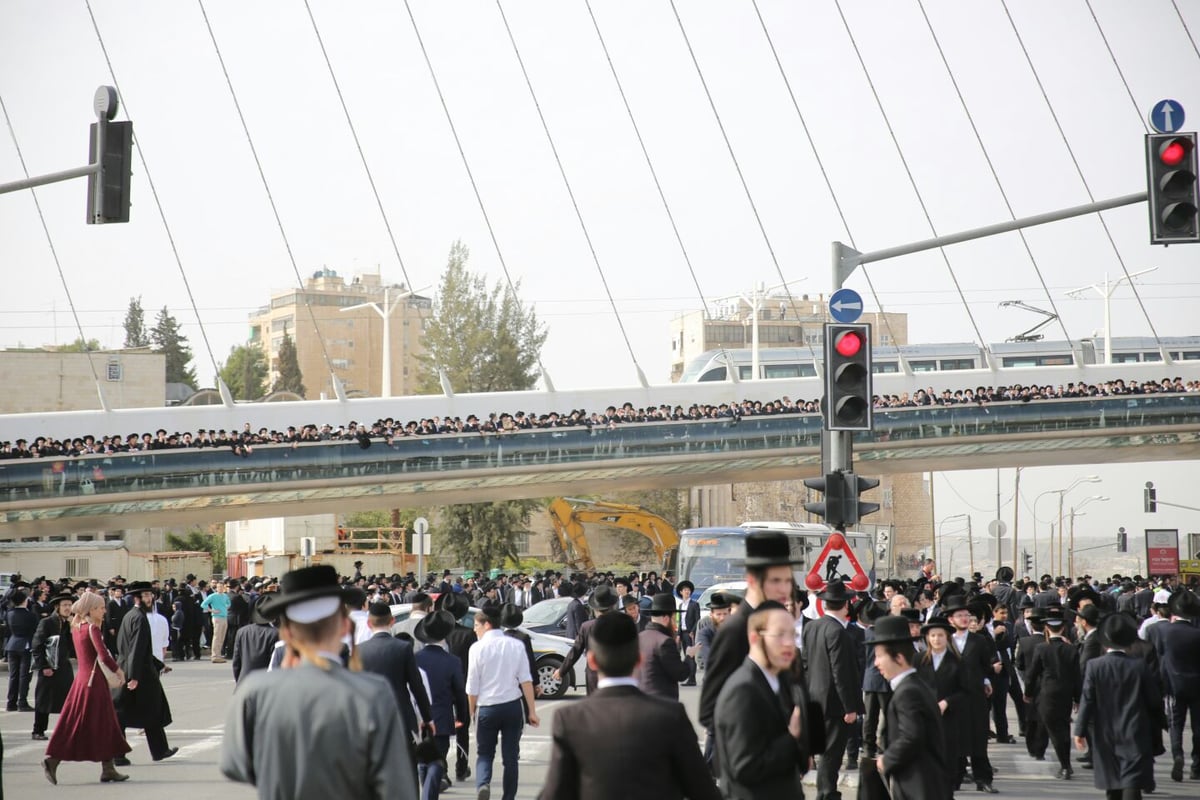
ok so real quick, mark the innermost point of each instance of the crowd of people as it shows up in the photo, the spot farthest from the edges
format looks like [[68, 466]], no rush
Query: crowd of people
[[909, 684], [388, 430]]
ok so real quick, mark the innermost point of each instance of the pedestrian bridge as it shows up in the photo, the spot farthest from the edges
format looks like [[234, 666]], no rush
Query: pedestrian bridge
[[183, 487]]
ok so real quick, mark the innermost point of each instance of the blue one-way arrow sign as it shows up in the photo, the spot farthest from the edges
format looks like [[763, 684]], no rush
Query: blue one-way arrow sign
[[845, 305], [1166, 116]]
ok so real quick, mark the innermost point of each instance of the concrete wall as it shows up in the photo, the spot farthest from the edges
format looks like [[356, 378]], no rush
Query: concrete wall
[[58, 381], [280, 535]]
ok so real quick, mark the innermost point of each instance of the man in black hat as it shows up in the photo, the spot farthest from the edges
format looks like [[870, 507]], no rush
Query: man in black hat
[[719, 605], [142, 703], [603, 601], [662, 669], [1053, 682], [1122, 704], [768, 577], [1178, 646], [632, 607], [576, 612], [834, 681], [458, 643], [254, 643], [394, 660], [447, 694], [913, 769], [53, 649], [315, 710], [978, 653], [589, 762], [689, 618]]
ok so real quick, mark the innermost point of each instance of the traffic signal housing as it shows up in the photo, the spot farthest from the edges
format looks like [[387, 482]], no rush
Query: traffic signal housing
[[833, 486], [1150, 499], [115, 176], [848, 396], [1172, 189], [855, 508], [1028, 562], [1122, 541]]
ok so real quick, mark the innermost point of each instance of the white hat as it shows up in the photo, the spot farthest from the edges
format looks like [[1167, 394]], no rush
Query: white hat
[[1162, 597]]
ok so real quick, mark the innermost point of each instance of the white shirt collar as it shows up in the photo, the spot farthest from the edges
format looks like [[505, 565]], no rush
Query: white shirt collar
[[772, 680], [627, 680], [899, 679], [842, 622]]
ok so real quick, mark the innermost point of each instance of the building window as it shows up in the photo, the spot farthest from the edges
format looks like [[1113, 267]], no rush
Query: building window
[[114, 537], [887, 497], [77, 567], [31, 538], [114, 370], [58, 538], [339, 363], [85, 537], [283, 324], [521, 543]]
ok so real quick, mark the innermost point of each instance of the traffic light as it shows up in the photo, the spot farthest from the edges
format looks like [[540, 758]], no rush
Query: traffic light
[[115, 176], [1174, 197], [833, 486], [1028, 559], [1150, 498], [854, 508], [1122, 541], [847, 377]]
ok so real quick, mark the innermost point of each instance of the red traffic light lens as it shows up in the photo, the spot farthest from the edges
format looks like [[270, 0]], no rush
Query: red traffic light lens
[[1173, 154], [848, 344]]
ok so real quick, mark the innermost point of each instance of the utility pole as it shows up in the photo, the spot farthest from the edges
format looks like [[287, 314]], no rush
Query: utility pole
[[1106, 291]]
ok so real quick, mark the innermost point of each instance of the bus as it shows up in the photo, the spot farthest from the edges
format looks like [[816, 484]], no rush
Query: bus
[[709, 556]]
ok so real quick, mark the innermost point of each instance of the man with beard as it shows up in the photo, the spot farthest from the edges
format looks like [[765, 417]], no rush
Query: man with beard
[[142, 703], [978, 653], [53, 650]]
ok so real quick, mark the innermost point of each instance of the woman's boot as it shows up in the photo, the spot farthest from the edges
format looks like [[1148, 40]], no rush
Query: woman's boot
[[109, 774], [50, 769]]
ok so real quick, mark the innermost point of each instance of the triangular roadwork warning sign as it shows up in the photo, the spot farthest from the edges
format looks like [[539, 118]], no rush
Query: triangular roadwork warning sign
[[836, 561]]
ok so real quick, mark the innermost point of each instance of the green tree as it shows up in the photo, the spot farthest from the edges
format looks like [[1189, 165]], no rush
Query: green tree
[[483, 535], [81, 346], [169, 340], [485, 340], [245, 372], [135, 324], [290, 379], [203, 541]]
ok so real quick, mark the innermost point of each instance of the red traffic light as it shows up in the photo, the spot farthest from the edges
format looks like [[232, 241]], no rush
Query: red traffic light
[[848, 344], [1173, 153]]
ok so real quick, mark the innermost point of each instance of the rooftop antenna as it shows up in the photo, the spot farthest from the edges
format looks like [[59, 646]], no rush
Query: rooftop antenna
[[1032, 334]]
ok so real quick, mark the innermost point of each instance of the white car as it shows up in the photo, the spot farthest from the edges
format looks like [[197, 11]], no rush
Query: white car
[[549, 651], [736, 588]]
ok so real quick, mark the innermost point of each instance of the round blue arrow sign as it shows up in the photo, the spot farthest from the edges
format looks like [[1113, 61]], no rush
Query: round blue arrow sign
[[845, 305], [1166, 116]]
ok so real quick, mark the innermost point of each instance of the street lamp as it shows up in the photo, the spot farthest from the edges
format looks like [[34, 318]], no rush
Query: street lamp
[[970, 545], [1060, 493], [1071, 547], [1106, 290], [386, 312]]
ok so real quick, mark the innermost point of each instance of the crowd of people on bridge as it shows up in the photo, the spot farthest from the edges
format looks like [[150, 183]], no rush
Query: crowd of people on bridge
[[909, 685], [242, 442]]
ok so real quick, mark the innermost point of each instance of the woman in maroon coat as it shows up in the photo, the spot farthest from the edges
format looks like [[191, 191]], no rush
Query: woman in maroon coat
[[88, 729]]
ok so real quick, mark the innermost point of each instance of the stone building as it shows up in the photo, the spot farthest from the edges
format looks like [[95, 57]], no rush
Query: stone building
[[56, 380]]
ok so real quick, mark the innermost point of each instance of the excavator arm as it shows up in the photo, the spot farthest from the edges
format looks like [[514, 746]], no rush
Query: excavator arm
[[569, 515]]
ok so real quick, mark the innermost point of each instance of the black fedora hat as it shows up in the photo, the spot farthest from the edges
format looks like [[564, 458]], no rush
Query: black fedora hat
[[836, 592], [1184, 604], [319, 582], [870, 612], [892, 630], [937, 623], [662, 604], [58, 598], [980, 610], [455, 602], [769, 549], [911, 614], [604, 598], [679, 587], [1119, 630], [256, 614], [719, 600], [954, 603], [137, 587], [511, 616], [435, 627], [1054, 617]]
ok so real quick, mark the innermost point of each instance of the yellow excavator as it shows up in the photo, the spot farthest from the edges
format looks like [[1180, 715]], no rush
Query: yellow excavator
[[569, 515]]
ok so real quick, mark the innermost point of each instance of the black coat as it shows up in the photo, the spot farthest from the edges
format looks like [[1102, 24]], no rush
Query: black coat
[[948, 683], [662, 669], [146, 706], [1053, 679], [1119, 700], [1178, 647], [252, 648], [912, 768], [395, 660], [831, 659], [52, 691], [759, 759], [578, 650], [729, 649], [592, 757]]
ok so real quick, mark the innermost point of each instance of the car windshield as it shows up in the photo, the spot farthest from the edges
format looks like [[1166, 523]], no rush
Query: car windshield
[[546, 612]]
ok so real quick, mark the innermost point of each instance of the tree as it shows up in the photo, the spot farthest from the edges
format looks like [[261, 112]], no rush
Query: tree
[[81, 346], [169, 340], [483, 535], [135, 324], [203, 541], [485, 340], [245, 372], [290, 379]]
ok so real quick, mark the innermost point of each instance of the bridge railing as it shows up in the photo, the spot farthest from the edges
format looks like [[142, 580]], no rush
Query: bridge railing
[[178, 471]]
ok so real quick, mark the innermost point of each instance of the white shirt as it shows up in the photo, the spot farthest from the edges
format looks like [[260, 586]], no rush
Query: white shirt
[[899, 679], [772, 680], [1153, 619], [160, 633], [629, 680], [937, 659], [496, 668]]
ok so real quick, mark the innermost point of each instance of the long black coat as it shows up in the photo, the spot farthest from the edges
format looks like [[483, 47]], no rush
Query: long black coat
[[913, 769], [729, 649], [757, 755], [834, 676], [948, 683], [52, 691], [145, 706], [1053, 680], [395, 660], [662, 669], [1119, 698]]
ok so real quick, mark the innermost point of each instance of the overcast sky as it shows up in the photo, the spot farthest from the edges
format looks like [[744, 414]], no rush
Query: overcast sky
[[217, 211]]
